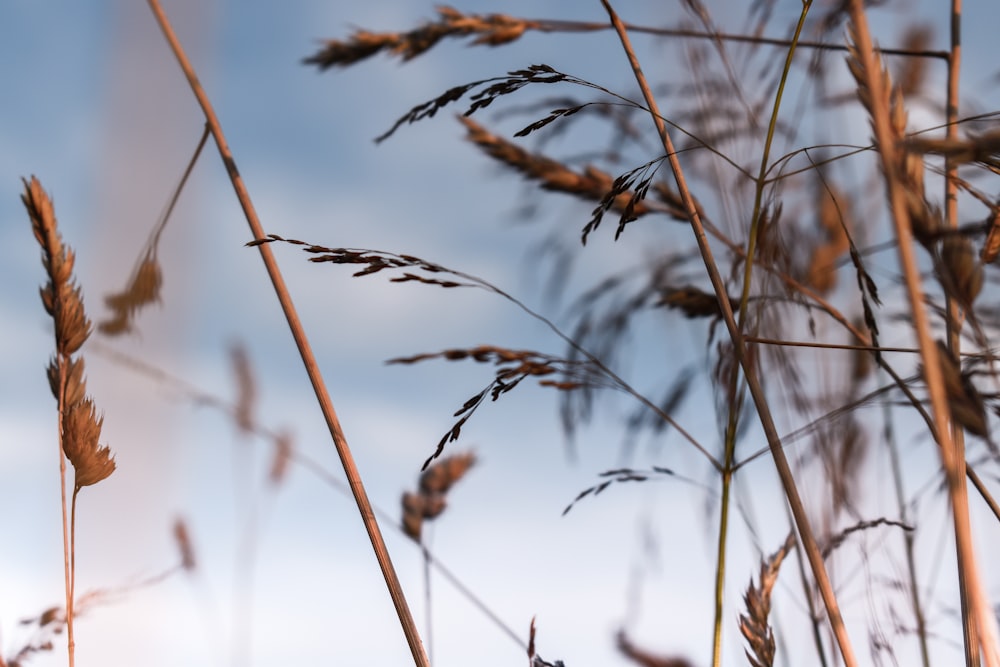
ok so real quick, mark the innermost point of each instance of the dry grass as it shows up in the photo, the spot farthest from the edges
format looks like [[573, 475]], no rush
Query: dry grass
[[79, 429], [786, 251], [754, 624]]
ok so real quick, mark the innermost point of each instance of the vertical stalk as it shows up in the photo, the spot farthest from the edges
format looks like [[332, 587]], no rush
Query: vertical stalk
[[953, 462], [953, 322], [305, 350], [734, 407], [807, 539], [68, 573]]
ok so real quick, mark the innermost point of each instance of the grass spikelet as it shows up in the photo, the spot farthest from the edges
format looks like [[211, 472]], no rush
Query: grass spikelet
[[246, 389], [967, 407], [91, 462], [284, 450], [143, 288], [430, 500], [834, 241], [80, 427], [591, 184], [962, 272], [991, 246], [754, 624], [913, 72], [691, 301], [491, 30], [183, 540], [442, 475]]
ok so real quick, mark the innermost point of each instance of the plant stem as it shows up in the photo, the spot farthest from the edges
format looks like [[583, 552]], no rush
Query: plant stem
[[807, 540], [72, 572], [67, 549], [952, 460], [908, 537], [729, 456], [953, 321], [305, 350]]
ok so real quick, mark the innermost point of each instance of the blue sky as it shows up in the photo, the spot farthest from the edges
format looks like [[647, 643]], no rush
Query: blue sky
[[97, 109]]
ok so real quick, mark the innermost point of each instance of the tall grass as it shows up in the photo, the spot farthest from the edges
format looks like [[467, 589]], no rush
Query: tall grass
[[737, 179]]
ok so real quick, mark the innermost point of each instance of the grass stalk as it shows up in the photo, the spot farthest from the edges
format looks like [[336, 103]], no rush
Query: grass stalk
[[69, 555], [953, 462], [729, 456], [305, 350], [953, 321], [807, 539]]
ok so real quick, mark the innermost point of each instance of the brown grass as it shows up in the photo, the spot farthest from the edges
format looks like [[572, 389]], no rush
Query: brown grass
[[79, 424], [765, 250]]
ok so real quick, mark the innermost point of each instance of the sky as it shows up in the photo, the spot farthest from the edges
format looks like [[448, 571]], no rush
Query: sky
[[97, 109]]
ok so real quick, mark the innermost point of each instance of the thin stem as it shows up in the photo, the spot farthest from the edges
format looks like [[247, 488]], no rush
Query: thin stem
[[67, 549], [305, 350], [953, 319], [829, 346], [983, 491], [72, 567], [908, 535], [807, 540], [809, 595], [202, 398], [429, 632], [766, 153]]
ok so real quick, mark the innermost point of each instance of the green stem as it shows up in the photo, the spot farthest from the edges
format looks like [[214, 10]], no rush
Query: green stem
[[759, 189], [720, 563], [737, 395]]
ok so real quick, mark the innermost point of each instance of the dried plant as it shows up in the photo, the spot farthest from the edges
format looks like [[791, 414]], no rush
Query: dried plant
[[79, 425], [806, 262], [146, 282], [491, 30], [535, 660], [645, 658], [430, 499], [754, 623], [763, 249]]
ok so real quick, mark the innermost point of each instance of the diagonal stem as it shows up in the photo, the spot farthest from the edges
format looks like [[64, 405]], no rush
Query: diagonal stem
[[807, 539], [305, 350]]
